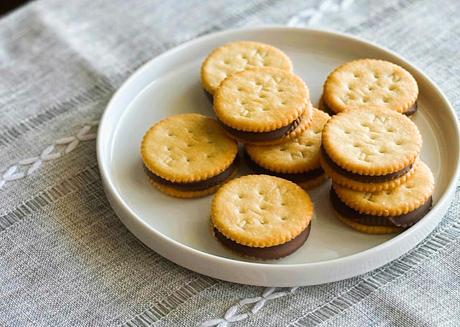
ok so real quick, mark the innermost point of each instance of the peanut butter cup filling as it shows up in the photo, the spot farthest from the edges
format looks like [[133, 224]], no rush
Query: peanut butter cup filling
[[195, 186], [404, 220], [263, 136], [209, 96], [364, 178], [271, 252]]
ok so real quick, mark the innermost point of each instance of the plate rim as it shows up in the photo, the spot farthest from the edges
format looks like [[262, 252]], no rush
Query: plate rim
[[114, 195]]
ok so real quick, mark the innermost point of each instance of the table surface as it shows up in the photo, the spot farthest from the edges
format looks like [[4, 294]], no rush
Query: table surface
[[65, 258]]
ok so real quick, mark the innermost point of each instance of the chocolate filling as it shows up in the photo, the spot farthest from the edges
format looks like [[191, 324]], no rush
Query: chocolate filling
[[209, 96], [271, 252], [410, 111], [296, 178], [405, 220], [363, 178], [195, 186], [263, 136], [324, 107]]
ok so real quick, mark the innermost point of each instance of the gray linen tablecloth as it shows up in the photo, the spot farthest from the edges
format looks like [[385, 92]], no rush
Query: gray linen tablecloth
[[65, 258]]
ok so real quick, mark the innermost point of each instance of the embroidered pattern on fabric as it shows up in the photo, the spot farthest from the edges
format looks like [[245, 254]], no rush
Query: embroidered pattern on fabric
[[59, 148]]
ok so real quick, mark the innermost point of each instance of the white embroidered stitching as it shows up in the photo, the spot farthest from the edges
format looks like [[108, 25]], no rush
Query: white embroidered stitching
[[51, 152], [231, 315], [269, 294], [313, 15]]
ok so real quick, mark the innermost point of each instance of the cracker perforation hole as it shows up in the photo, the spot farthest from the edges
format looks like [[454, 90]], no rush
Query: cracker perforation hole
[[395, 78], [242, 223], [367, 196]]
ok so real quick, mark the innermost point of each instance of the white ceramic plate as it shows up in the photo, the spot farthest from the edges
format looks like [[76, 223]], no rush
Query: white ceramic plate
[[179, 229]]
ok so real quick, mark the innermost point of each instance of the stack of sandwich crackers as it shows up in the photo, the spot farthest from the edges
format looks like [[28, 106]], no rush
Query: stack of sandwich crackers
[[370, 149]]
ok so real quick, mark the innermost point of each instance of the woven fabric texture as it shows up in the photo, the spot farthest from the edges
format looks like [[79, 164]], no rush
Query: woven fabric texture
[[66, 259]]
